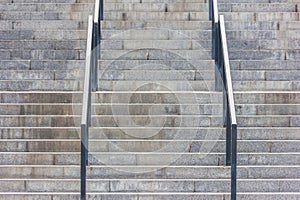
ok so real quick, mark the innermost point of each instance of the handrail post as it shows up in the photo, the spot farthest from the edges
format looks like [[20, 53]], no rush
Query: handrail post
[[95, 53], [228, 137], [83, 148], [101, 10], [233, 161], [210, 10]]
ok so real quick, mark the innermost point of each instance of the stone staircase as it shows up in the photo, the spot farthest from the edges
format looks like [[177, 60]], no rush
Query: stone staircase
[[157, 121]]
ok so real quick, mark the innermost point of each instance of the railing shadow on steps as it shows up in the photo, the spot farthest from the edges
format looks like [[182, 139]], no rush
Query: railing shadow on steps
[[223, 82], [90, 84]]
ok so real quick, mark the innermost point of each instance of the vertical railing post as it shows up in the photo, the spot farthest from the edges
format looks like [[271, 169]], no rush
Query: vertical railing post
[[213, 39], [95, 57], [89, 111], [210, 10], [101, 10], [83, 147], [95, 53], [89, 122], [233, 161], [228, 137], [219, 70]]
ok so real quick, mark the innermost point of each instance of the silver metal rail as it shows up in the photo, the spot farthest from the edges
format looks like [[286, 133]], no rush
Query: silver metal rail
[[223, 82], [86, 108], [90, 84]]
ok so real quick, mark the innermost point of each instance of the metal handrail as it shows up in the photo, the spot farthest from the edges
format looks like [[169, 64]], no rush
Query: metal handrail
[[90, 84], [223, 82], [86, 108]]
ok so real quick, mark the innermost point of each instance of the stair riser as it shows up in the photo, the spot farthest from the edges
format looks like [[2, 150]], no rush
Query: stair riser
[[151, 146], [150, 172], [98, 133], [144, 109]]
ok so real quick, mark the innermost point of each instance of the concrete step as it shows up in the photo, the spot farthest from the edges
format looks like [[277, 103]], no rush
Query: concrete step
[[37, 7], [41, 85], [128, 76], [194, 85], [176, 25], [156, 15], [50, 35], [44, 15], [244, 133], [269, 66], [178, 6], [43, 44], [149, 146], [196, 25], [258, 7], [39, 75], [195, 15], [200, 1], [190, 75], [155, 54], [157, 1], [255, 97], [151, 54], [162, 34], [264, 65], [158, 196], [155, 34], [262, 55], [170, 172], [158, 185], [153, 75], [43, 25], [156, 64], [180, 75], [131, 121], [262, 34], [163, 54], [196, 146], [42, 54], [148, 34], [41, 64], [144, 109], [156, 7], [47, 1], [146, 121], [95, 158], [260, 16], [247, 65], [266, 85], [120, 147], [191, 44], [257, 1], [73, 85]]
